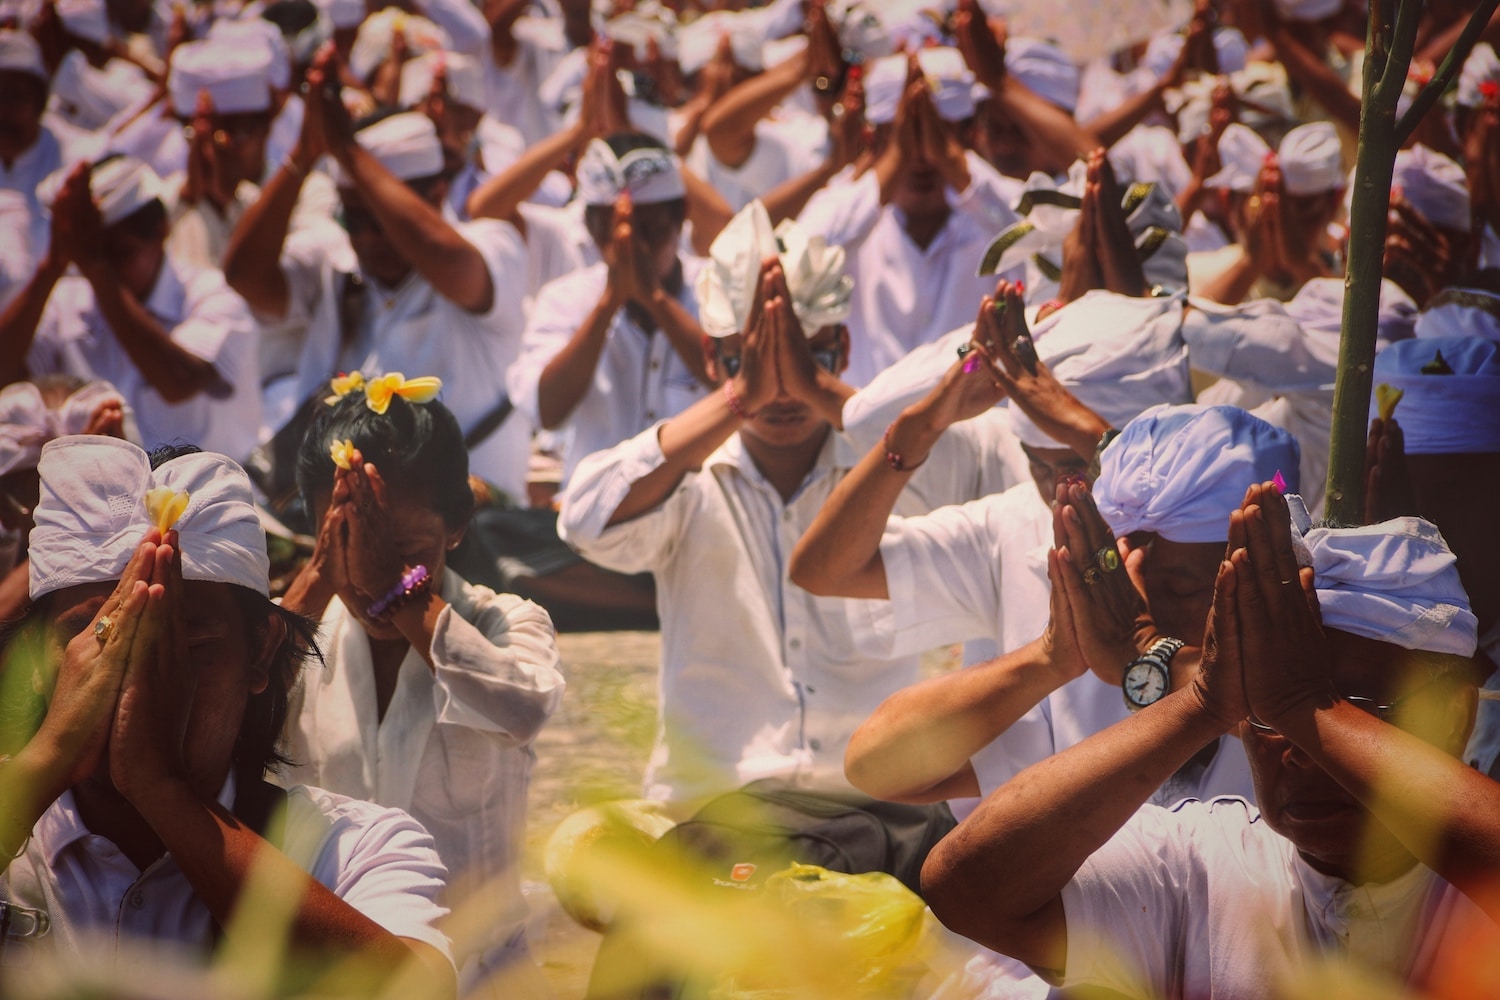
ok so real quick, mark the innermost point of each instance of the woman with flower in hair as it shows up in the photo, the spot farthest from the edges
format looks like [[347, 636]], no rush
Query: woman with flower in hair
[[433, 689]]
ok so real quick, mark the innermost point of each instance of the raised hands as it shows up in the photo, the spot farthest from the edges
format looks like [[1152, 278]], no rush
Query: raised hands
[[922, 140], [632, 273], [981, 42], [1420, 257], [1482, 157], [1100, 251], [77, 229]]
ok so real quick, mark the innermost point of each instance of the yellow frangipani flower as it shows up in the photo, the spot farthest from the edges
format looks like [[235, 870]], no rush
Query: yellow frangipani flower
[[342, 453], [1386, 398], [164, 506], [378, 391], [342, 385]]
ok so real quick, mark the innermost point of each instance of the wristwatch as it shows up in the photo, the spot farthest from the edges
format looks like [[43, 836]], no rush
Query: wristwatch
[[1148, 677]]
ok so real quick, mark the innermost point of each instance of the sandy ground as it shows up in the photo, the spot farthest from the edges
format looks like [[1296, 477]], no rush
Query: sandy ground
[[595, 749]]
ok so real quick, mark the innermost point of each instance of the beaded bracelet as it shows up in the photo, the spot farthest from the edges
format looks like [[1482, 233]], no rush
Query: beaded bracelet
[[894, 458], [414, 581], [733, 399]]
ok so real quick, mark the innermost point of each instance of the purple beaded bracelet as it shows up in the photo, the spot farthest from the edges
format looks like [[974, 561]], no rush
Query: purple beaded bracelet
[[413, 581]]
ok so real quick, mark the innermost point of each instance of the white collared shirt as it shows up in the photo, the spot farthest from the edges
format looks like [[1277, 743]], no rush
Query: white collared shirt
[[454, 748], [410, 329], [24, 174], [759, 677], [904, 295], [378, 860], [1205, 900], [640, 378], [202, 315]]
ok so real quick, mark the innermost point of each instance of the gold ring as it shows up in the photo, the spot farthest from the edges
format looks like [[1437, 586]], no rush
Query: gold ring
[[102, 629], [1254, 203], [1108, 558], [1091, 576]]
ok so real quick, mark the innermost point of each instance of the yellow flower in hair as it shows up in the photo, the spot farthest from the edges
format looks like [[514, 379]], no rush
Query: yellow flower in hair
[[342, 453], [342, 385], [378, 391], [164, 506]]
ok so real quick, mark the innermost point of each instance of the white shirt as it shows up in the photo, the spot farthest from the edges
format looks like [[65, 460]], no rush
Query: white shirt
[[24, 174], [202, 315], [759, 677], [413, 330], [378, 860], [904, 295], [455, 746], [1206, 901], [784, 148], [512, 93], [639, 379]]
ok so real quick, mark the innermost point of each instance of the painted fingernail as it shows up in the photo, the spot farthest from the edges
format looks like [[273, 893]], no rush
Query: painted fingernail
[[1279, 481], [971, 365]]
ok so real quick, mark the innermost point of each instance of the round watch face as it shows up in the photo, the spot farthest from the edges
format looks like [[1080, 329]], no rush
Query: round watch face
[[1145, 683]]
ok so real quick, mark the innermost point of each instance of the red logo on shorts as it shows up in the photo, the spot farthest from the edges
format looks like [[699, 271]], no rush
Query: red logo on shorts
[[742, 871]]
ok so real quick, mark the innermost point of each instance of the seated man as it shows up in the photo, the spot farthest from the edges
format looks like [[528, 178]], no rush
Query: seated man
[[398, 290], [1351, 680], [176, 342], [759, 677], [162, 673]]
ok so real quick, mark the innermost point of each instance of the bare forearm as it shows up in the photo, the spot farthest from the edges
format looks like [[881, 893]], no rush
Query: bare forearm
[[501, 195], [1111, 126], [1233, 284], [173, 371], [1034, 833], [1044, 123], [252, 260], [706, 210], [790, 197], [435, 249], [20, 319], [567, 377], [681, 330], [686, 442], [502, 16], [1309, 69], [922, 736], [310, 593], [729, 126]]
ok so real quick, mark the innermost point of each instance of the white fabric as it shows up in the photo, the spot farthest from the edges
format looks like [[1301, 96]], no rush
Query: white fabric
[[1310, 158], [1445, 414], [1261, 89], [343, 13], [411, 329], [906, 295], [204, 317], [649, 175], [699, 41], [1162, 52], [1308, 10], [1396, 581], [814, 272], [27, 422], [19, 53], [24, 176], [861, 28], [465, 78], [87, 19], [1180, 470], [1482, 66], [236, 76], [788, 145], [93, 512], [775, 686], [201, 230], [1117, 354], [250, 32], [1461, 312], [454, 748], [514, 92], [949, 79], [86, 97], [647, 22], [372, 46], [1045, 70], [378, 860], [1205, 900], [119, 187], [406, 144], [1435, 185], [639, 379]]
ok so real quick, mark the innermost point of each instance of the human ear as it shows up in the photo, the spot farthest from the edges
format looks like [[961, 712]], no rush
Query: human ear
[[268, 640]]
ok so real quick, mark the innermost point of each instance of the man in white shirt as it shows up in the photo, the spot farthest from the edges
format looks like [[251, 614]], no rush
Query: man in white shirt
[[397, 289], [915, 222], [1344, 658], [759, 677], [176, 341], [615, 347], [28, 149], [136, 808]]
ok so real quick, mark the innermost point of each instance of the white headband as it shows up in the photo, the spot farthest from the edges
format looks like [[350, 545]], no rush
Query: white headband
[[406, 144], [1310, 158], [120, 186], [237, 75], [650, 175], [821, 291], [20, 53], [93, 512]]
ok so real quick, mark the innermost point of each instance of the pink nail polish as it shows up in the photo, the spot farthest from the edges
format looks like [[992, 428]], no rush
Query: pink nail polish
[[1279, 481], [971, 365]]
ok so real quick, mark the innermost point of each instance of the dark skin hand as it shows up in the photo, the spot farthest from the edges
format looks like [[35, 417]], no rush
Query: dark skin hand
[[1388, 485]]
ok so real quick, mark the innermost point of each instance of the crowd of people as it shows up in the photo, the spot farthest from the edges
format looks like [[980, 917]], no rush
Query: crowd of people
[[341, 340]]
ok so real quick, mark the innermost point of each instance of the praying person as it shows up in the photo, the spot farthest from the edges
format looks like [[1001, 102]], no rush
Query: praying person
[[433, 690], [160, 670], [1344, 660]]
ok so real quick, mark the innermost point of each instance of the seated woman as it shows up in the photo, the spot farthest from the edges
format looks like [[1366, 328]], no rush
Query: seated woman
[[433, 690], [146, 687]]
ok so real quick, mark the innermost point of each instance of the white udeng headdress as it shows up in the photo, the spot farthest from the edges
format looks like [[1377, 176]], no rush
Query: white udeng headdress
[[27, 422], [98, 499], [821, 291], [1396, 581], [650, 175]]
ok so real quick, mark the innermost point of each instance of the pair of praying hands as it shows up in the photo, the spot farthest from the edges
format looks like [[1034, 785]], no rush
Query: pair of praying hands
[[124, 684], [633, 278], [77, 227], [1100, 251], [1421, 257], [1273, 240], [776, 364], [327, 126], [922, 138], [355, 554]]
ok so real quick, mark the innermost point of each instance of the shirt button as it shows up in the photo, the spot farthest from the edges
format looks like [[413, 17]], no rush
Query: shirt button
[[138, 899], [811, 690], [815, 744], [795, 644], [655, 364], [786, 515]]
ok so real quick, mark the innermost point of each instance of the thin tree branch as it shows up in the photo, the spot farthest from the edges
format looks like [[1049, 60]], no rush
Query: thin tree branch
[[1478, 21], [1403, 43]]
